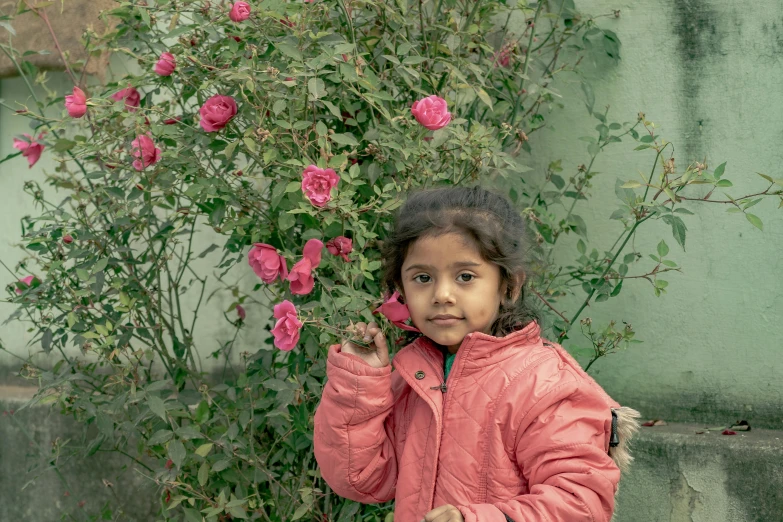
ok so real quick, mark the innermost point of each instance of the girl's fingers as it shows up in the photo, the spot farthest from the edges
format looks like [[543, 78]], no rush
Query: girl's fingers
[[381, 349], [359, 329], [371, 331]]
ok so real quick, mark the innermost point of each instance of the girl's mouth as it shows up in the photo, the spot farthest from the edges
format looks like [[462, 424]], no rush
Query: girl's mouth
[[445, 320]]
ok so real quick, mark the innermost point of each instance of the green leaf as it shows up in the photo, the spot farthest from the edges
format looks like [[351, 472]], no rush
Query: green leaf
[[160, 437], [316, 87], [580, 245], [755, 221], [203, 473], [64, 144], [228, 151], [8, 27], [344, 139], [46, 340], [100, 265], [192, 515], [293, 186], [484, 97], [202, 412], [663, 248], [204, 449], [157, 406], [289, 50], [589, 96], [332, 108], [301, 511], [719, 171], [286, 221], [276, 384], [631, 185], [278, 107], [221, 465], [724, 183], [250, 144], [177, 452], [414, 60], [189, 432], [678, 228], [105, 425], [238, 512], [115, 192]]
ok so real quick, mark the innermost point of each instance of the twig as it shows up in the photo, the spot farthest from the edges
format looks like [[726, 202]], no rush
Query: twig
[[549, 304]]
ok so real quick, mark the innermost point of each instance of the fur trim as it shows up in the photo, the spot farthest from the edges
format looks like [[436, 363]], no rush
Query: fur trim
[[627, 426]]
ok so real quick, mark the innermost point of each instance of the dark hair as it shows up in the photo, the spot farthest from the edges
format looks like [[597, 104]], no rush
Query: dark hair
[[488, 219]]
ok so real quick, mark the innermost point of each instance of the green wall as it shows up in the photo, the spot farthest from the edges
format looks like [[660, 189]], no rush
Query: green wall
[[709, 75]]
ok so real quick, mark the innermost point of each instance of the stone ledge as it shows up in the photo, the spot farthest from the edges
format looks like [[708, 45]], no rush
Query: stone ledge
[[679, 475]]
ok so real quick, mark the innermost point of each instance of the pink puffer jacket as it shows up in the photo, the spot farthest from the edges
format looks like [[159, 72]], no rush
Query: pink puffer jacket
[[519, 433]]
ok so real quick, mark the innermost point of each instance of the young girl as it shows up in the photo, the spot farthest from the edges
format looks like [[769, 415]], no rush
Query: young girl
[[481, 420]]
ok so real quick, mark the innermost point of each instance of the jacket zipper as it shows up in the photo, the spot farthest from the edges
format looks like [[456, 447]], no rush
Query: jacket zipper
[[443, 387]]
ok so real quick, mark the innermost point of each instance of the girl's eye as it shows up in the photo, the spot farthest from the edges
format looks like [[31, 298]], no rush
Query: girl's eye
[[470, 276], [419, 280]]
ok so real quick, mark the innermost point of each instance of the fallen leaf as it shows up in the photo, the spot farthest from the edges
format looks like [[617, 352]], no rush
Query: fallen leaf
[[728, 432]]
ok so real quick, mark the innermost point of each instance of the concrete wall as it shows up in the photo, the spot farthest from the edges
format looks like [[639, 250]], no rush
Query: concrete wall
[[707, 73]]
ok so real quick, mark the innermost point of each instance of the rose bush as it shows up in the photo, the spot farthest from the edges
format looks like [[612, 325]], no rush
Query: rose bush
[[303, 123]]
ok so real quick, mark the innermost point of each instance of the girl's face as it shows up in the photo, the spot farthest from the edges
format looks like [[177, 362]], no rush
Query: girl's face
[[449, 289]]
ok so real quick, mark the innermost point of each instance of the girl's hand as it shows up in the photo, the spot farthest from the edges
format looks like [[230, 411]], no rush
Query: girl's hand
[[377, 355], [444, 513]]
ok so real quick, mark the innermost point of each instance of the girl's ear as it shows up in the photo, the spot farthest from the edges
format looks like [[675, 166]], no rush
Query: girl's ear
[[516, 288]]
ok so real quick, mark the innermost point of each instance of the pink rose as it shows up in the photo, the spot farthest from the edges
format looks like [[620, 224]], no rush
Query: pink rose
[[130, 95], [241, 312], [166, 64], [396, 312], [301, 275], [286, 330], [26, 280], [217, 112], [31, 149], [76, 103], [340, 246], [317, 184], [144, 149], [431, 112], [503, 59], [67, 239], [267, 263], [240, 12]]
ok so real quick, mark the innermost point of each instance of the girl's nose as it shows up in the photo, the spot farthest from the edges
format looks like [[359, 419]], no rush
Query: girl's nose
[[443, 293]]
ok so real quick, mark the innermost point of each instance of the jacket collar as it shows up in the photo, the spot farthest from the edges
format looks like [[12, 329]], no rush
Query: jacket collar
[[476, 351]]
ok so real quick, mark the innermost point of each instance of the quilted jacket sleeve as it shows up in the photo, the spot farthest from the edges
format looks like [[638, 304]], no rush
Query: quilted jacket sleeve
[[562, 450], [353, 434]]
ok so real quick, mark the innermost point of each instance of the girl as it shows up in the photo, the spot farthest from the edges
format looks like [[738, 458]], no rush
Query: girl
[[481, 420]]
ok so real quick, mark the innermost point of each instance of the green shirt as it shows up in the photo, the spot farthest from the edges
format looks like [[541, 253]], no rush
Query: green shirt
[[447, 362]]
